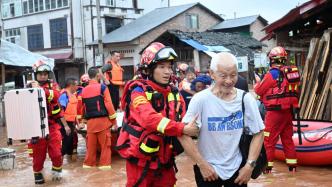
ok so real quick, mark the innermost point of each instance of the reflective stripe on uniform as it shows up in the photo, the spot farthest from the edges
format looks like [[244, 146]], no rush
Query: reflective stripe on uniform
[[112, 116], [163, 124], [79, 117], [139, 100], [148, 95], [171, 97], [56, 168], [291, 161], [270, 164], [56, 111], [105, 167], [50, 97], [266, 134], [30, 151], [86, 167], [148, 149]]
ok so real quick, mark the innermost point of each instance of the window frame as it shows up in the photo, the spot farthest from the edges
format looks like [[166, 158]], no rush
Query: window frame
[[58, 39], [29, 35]]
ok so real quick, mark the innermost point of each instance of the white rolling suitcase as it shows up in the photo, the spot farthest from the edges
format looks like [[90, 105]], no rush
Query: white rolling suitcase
[[26, 113]]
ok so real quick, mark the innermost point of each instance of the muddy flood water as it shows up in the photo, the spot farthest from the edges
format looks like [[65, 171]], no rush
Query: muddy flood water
[[75, 175]]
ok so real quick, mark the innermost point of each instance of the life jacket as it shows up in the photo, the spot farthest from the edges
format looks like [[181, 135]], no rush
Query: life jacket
[[149, 149], [70, 113], [79, 102], [93, 101], [53, 107], [284, 93], [116, 74]]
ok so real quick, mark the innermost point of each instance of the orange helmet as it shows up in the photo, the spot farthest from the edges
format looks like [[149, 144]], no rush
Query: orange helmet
[[183, 67], [278, 55], [84, 78], [157, 52]]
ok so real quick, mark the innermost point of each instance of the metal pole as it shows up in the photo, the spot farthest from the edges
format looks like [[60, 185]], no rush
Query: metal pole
[[3, 76], [99, 28]]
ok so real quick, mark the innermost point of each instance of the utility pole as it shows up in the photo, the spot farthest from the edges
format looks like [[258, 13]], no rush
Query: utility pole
[[100, 41]]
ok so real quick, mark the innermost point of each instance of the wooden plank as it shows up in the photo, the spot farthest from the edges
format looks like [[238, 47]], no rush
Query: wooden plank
[[307, 70], [312, 86], [324, 94], [318, 75]]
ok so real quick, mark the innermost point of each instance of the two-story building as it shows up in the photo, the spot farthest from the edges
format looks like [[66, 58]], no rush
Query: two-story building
[[131, 38], [60, 29]]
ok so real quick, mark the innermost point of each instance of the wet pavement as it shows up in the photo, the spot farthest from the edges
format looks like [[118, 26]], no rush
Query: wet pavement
[[75, 175]]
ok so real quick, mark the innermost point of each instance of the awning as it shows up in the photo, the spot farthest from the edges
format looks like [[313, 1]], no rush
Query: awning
[[195, 44], [60, 56], [205, 48], [15, 55]]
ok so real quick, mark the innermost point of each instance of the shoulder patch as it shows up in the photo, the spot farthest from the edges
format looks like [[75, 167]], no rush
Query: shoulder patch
[[275, 73], [138, 89]]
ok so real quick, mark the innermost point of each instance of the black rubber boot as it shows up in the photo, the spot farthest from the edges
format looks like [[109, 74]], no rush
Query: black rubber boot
[[39, 178]]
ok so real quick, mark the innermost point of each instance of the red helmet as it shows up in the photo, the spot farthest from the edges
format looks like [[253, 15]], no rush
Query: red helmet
[[278, 55], [183, 67], [41, 66], [157, 52], [84, 78]]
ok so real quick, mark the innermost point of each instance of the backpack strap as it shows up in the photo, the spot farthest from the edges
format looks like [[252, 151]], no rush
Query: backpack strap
[[243, 110]]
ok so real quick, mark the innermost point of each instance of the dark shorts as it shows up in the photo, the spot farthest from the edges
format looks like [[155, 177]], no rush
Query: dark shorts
[[217, 183]]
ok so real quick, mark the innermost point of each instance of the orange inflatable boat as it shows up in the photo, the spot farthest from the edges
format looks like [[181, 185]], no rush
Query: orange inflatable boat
[[316, 148]]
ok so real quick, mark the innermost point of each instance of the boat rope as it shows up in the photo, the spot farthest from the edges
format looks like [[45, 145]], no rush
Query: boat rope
[[316, 140]]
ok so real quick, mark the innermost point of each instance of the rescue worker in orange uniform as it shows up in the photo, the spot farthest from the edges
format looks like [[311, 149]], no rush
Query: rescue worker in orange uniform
[[153, 111], [279, 93], [69, 101], [38, 147], [100, 115], [114, 78]]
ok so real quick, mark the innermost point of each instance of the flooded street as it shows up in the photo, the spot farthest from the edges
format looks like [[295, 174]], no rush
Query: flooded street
[[75, 175]]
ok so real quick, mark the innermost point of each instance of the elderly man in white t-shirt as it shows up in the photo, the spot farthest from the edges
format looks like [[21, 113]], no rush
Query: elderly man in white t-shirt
[[220, 119]]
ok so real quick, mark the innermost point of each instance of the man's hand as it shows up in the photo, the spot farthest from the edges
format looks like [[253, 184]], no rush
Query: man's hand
[[35, 84], [191, 129], [107, 82], [67, 129], [244, 175], [208, 172], [257, 78], [65, 125]]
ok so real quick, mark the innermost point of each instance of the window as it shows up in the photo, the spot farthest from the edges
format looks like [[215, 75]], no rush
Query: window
[[41, 5], [12, 10], [35, 37], [59, 37], [123, 10], [137, 11], [112, 23], [53, 4], [59, 3], [135, 4], [65, 2], [110, 2], [47, 4], [25, 7], [192, 21], [36, 5], [30, 6]]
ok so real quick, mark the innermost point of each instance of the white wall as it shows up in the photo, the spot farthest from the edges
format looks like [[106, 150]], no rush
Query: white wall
[[35, 19]]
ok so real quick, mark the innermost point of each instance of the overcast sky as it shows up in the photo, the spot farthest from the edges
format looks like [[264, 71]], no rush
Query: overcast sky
[[271, 10]]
